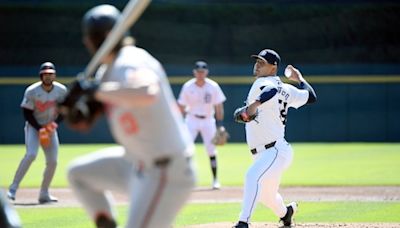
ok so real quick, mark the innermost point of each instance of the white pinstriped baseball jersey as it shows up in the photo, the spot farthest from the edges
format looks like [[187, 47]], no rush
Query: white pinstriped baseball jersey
[[271, 119], [201, 100]]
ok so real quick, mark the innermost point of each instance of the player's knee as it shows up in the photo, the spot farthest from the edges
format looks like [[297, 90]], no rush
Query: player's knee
[[75, 171], [211, 151], [30, 158]]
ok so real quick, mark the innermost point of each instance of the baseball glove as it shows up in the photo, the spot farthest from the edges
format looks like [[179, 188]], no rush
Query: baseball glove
[[221, 136], [79, 108], [241, 116], [44, 137], [45, 134]]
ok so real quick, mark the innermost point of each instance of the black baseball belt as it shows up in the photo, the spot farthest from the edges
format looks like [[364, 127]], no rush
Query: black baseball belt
[[267, 146], [200, 116], [162, 162]]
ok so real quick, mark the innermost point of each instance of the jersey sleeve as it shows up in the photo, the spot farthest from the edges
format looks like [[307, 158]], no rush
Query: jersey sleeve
[[265, 87], [219, 95], [139, 77], [27, 101], [298, 98], [258, 87], [62, 92]]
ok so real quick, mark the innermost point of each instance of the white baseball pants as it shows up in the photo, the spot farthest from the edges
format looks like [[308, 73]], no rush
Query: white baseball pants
[[207, 129], [263, 180]]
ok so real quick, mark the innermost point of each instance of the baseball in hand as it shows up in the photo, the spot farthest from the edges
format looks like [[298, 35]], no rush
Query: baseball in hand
[[288, 72]]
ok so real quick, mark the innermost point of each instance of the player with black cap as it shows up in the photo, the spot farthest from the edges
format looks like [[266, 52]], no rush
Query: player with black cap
[[265, 117], [201, 100], [41, 121]]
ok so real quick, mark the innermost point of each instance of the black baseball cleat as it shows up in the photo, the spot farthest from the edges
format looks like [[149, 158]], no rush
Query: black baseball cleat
[[287, 220], [103, 221], [241, 224]]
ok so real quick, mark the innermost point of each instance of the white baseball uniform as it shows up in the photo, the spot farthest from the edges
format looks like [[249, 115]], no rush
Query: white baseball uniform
[[43, 104], [200, 104], [265, 137], [153, 165]]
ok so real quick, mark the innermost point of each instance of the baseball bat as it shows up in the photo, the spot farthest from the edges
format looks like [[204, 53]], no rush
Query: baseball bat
[[129, 16]]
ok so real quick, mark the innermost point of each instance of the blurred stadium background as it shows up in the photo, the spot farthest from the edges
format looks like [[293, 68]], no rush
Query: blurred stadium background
[[349, 51]]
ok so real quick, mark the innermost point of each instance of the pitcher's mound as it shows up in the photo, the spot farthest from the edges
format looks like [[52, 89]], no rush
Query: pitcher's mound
[[308, 225]]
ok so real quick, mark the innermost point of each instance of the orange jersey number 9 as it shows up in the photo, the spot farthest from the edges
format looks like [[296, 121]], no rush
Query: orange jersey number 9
[[129, 123]]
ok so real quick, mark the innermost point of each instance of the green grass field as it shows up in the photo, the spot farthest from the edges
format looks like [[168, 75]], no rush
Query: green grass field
[[313, 165], [355, 212], [320, 164]]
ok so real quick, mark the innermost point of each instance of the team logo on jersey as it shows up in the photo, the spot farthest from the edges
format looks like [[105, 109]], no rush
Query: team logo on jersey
[[43, 106], [207, 98]]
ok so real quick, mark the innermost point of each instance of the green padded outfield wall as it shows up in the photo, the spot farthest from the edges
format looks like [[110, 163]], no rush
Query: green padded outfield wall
[[344, 112]]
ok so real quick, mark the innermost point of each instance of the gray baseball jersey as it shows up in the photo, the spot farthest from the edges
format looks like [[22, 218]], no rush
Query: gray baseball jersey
[[43, 103], [153, 136], [138, 128]]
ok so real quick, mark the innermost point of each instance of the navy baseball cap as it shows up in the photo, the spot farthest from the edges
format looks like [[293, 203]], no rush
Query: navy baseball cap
[[200, 65], [269, 56], [47, 67]]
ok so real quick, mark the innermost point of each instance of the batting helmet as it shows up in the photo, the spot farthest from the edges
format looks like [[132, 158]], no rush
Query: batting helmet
[[47, 67], [99, 20]]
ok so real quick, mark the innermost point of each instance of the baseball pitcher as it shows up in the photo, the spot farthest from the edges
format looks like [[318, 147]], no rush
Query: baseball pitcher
[[152, 163], [201, 100], [41, 121], [265, 117]]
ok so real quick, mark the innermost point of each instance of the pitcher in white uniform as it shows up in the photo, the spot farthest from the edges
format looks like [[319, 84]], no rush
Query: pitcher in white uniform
[[269, 99], [201, 100], [39, 108], [152, 165]]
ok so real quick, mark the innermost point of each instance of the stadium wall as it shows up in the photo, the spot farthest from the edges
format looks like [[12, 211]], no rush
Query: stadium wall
[[349, 109]]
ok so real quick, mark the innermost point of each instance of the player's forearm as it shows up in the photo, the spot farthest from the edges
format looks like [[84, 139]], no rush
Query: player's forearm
[[28, 115], [252, 108], [182, 108], [117, 94], [303, 84], [312, 96], [219, 114]]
